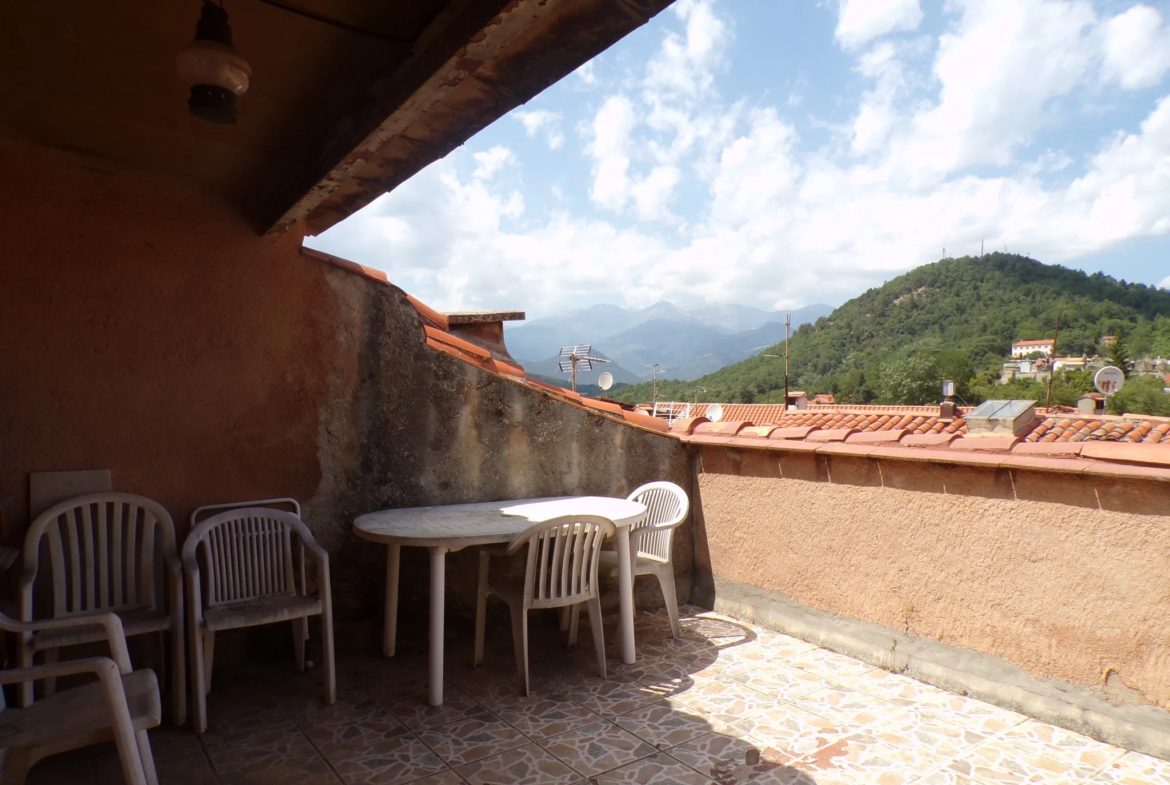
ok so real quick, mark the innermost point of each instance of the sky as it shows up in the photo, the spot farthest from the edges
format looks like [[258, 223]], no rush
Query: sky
[[779, 153]]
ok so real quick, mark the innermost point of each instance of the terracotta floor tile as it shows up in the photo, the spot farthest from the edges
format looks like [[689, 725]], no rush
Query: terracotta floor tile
[[472, 739], [658, 769], [596, 748], [1134, 768], [848, 708], [828, 664], [945, 777], [613, 696], [281, 754], [1084, 755], [996, 762], [968, 712], [398, 757], [410, 706], [540, 718], [791, 732], [727, 759], [235, 720], [893, 687], [782, 682], [442, 778], [859, 759], [926, 736], [727, 702], [527, 765], [665, 724], [497, 690], [353, 731]]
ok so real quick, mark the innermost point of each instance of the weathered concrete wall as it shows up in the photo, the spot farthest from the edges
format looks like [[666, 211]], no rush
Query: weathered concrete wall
[[148, 330], [406, 426], [1062, 575]]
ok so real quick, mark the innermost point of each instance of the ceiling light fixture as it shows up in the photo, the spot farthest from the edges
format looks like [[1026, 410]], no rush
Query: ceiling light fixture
[[212, 68]]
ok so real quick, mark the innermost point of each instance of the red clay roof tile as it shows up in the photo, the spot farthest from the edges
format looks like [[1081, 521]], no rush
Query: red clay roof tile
[[875, 437], [831, 435]]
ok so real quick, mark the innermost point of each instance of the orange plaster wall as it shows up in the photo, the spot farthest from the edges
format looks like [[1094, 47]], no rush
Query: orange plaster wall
[[146, 329], [1062, 575]]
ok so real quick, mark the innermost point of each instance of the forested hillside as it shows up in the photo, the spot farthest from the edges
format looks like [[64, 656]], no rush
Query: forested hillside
[[953, 319]]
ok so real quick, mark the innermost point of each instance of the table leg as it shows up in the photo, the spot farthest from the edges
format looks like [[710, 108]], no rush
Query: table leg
[[390, 622], [438, 590], [626, 592]]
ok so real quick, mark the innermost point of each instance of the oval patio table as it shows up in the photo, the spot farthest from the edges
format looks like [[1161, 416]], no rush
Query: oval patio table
[[450, 528]]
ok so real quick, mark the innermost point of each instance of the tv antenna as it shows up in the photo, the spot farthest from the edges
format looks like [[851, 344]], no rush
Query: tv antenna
[[696, 391], [576, 358], [605, 381], [787, 327]]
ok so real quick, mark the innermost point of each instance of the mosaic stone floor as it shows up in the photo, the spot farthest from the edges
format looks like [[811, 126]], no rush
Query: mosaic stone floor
[[728, 703]]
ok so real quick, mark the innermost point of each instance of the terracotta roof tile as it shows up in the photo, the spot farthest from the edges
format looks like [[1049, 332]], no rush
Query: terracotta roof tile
[[1134, 429], [443, 336]]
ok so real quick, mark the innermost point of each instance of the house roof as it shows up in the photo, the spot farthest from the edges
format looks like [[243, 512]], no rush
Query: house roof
[[1040, 342], [1059, 440], [437, 335], [348, 98]]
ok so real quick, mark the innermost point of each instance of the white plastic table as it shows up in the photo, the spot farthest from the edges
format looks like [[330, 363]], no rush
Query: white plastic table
[[450, 528]]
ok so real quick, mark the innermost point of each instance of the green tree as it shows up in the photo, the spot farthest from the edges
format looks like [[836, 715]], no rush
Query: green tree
[[1119, 353], [1141, 395], [914, 379]]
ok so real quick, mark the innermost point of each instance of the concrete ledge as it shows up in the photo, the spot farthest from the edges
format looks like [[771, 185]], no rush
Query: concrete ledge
[[988, 678]]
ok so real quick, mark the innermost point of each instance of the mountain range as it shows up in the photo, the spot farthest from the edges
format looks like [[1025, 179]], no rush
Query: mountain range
[[685, 342], [955, 319]]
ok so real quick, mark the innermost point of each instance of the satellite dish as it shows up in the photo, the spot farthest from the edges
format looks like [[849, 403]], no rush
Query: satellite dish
[[1109, 380], [714, 412], [605, 381]]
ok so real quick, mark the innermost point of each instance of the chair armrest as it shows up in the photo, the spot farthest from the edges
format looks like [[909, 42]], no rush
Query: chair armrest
[[115, 635], [96, 665]]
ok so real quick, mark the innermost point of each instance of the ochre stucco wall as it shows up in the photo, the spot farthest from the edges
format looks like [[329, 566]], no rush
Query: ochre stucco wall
[[146, 329], [1064, 576]]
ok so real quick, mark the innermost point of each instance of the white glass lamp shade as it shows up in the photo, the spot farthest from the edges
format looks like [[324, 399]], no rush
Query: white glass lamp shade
[[213, 64]]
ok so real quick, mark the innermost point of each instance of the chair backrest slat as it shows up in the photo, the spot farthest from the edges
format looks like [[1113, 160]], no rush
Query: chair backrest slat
[[101, 555], [247, 554], [563, 555], [116, 551]]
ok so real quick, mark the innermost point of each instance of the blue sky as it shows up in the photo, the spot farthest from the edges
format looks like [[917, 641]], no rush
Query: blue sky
[[781, 153]]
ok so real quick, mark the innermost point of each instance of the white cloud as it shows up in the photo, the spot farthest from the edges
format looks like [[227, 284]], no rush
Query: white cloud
[[999, 69], [610, 149], [1165, 283], [587, 74], [537, 120], [1137, 48], [690, 197], [860, 21], [491, 161]]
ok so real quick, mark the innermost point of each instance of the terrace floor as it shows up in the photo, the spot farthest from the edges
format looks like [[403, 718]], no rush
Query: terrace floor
[[728, 703]]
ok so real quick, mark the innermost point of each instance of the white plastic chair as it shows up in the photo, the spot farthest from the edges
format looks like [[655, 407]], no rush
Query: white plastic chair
[[651, 540], [121, 706], [246, 567], [102, 558], [561, 571]]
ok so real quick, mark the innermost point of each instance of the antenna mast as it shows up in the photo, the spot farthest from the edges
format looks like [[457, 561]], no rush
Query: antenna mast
[[787, 328], [1052, 368], [574, 356], [654, 376]]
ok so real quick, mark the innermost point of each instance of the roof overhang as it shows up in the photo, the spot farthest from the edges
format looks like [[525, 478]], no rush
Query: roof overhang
[[471, 67]]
